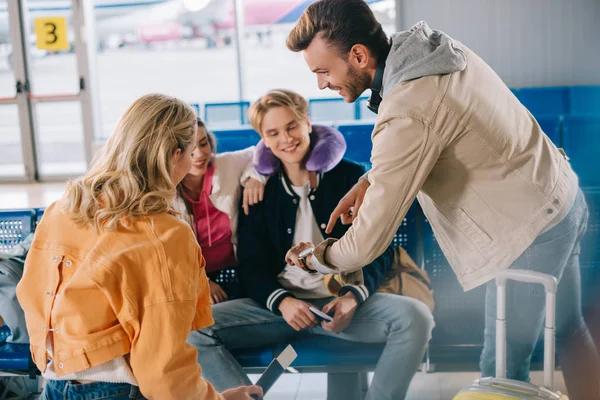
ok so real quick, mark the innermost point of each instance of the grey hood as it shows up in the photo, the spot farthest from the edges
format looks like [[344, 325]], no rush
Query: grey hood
[[418, 52]]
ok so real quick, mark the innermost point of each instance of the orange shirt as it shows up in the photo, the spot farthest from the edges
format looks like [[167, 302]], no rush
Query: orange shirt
[[132, 292]]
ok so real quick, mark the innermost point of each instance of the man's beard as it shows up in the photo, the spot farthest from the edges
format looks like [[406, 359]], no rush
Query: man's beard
[[356, 84]]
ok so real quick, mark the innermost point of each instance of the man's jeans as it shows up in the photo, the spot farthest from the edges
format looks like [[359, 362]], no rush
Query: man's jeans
[[555, 252], [403, 323]]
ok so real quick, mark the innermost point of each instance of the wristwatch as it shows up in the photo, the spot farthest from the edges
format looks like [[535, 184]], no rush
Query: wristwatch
[[302, 258]]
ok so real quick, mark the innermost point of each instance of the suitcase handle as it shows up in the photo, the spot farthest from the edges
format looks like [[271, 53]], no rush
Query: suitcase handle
[[550, 285], [520, 275]]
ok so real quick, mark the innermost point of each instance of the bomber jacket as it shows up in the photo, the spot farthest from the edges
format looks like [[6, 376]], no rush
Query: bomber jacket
[[266, 234]]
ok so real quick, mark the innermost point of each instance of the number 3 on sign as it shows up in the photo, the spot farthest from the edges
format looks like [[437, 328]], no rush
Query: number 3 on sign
[[51, 33]]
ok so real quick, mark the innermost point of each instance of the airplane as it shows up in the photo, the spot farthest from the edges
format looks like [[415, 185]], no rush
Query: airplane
[[146, 21], [217, 18]]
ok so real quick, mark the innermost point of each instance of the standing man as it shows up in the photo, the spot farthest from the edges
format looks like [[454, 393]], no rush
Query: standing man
[[497, 192]]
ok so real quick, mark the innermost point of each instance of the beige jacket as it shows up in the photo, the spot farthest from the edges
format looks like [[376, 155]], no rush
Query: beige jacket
[[487, 177]]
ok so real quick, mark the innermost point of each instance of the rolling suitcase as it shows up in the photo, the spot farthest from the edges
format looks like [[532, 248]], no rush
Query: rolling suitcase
[[500, 388]]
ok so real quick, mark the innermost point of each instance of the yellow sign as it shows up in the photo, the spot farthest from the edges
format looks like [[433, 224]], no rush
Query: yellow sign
[[51, 33]]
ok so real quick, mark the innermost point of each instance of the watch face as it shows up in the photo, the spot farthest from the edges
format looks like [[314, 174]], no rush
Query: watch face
[[306, 252]]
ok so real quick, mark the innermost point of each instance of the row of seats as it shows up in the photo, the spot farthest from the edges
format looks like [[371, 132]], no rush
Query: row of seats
[[579, 135], [236, 113], [315, 354], [541, 101], [457, 338], [561, 100]]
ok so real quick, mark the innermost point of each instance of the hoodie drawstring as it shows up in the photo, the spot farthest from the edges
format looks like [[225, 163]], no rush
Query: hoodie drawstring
[[207, 218]]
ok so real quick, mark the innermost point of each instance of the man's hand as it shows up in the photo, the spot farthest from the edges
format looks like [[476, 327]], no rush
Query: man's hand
[[296, 314], [217, 294], [349, 205], [344, 308], [243, 393], [253, 193], [292, 255]]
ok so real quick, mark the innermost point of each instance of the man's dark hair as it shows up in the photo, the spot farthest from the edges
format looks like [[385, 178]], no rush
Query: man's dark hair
[[343, 24]]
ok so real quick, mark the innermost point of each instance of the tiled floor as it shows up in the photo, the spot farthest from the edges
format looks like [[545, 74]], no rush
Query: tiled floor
[[434, 386]]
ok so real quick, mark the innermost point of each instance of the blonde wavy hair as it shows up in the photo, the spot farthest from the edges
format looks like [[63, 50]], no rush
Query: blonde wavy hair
[[130, 176]]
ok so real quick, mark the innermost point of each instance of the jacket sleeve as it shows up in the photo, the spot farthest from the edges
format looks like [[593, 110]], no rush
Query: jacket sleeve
[[256, 260], [373, 275], [164, 364], [404, 152], [375, 272], [241, 162]]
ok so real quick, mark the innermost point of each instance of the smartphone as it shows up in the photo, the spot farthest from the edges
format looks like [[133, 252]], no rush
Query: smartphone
[[321, 316], [275, 369]]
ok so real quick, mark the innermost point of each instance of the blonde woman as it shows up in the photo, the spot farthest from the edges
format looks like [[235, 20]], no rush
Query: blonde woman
[[114, 282]]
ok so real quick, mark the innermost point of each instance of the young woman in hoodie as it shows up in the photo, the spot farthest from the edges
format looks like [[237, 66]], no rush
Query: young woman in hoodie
[[208, 200]]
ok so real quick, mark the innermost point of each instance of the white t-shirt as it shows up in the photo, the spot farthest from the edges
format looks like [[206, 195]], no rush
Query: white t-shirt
[[302, 284]]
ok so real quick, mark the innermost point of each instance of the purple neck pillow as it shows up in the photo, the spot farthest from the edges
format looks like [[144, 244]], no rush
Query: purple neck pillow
[[327, 148]]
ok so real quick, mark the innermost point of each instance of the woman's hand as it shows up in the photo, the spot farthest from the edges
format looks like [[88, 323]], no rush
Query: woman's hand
[[217, 294], [243, 393], [253, 193]]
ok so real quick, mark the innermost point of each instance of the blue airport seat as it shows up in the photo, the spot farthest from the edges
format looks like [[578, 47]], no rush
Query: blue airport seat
[[515, 92], [14, 357], [459, 315], [4, 333], [585, 99], [581, 141], [196, 107], [316, 352], [346, 363], [458, 336], [358, 141], [235, 139], [589, 259], [15, 225], [259, 357], [226, 114], [332, 109], [545, 100], [410, 232], [39, 213], [363, 112], [551, 125]]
